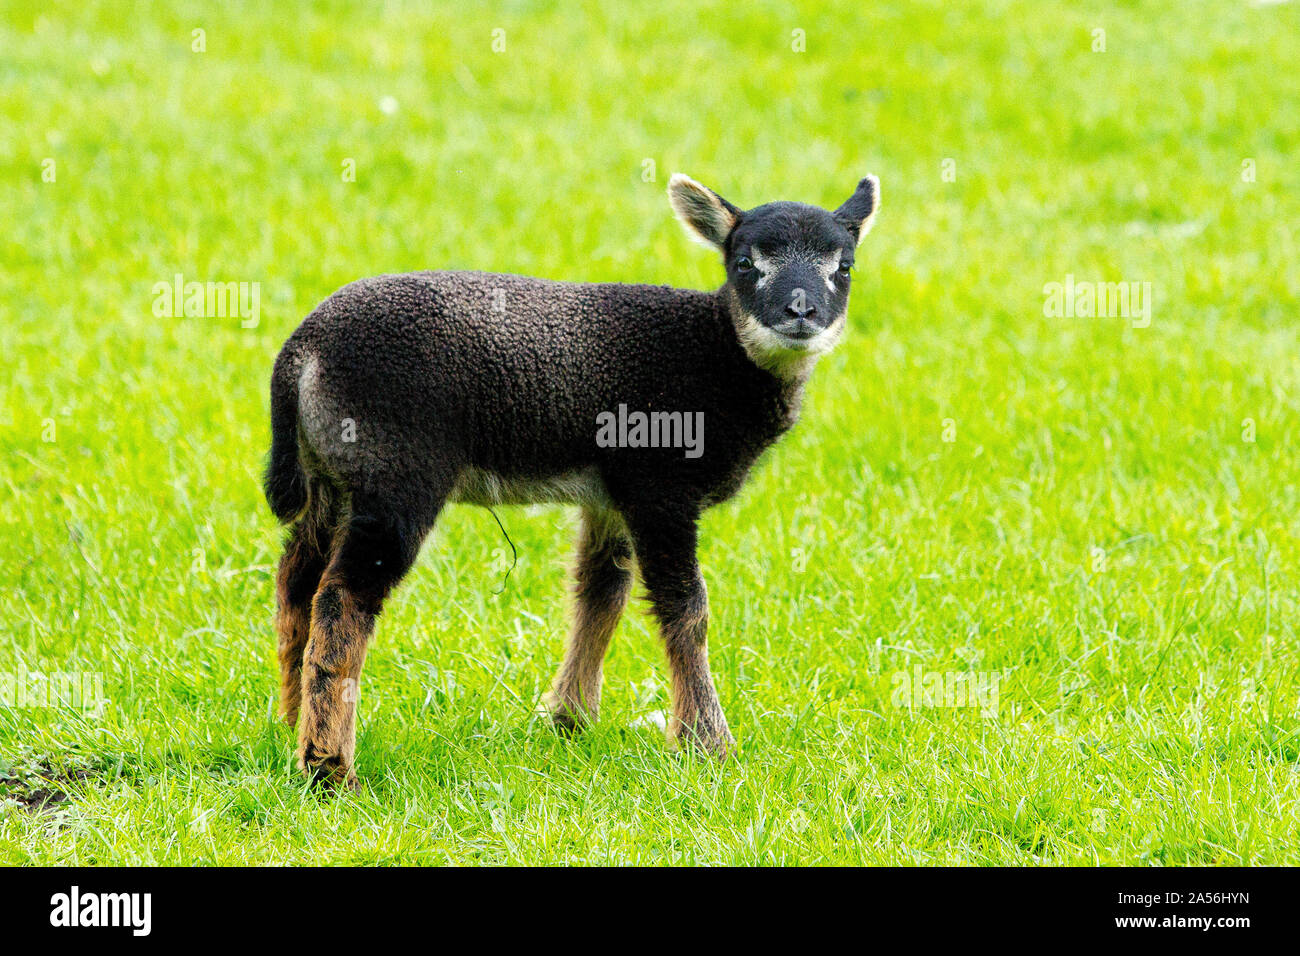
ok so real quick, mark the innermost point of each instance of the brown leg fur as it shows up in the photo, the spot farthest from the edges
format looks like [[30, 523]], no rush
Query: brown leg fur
[[371, 554], [602, 578], [697, 714], [665, 548], [331, 676], [305, 556]]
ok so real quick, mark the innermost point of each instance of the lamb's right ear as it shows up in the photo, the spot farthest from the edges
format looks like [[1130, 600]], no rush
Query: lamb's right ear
[[860, 209], [707, 216]]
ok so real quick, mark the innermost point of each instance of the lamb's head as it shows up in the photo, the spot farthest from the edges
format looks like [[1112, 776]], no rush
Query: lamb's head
[[789, 266]]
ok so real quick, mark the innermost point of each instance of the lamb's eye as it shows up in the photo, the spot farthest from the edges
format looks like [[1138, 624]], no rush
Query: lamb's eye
[[846, 268], [744, 263]]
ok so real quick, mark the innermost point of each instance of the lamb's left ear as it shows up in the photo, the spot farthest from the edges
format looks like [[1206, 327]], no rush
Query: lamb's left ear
[[860, 209], [707, 216]]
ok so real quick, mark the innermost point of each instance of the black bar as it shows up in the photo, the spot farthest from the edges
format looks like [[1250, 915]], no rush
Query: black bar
[[953, 905]]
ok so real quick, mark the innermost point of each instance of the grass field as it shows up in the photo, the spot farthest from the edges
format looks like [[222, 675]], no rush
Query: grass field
[[1099, 514]]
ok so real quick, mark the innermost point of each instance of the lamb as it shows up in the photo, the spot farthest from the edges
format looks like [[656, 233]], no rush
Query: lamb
[[402, 393]]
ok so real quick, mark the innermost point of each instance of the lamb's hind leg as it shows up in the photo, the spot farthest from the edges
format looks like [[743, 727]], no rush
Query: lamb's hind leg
[[602, 576], [376, 547], [306, 552]]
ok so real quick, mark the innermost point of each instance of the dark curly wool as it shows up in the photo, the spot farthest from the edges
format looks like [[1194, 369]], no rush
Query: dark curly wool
[[435, 380], [401, 393]]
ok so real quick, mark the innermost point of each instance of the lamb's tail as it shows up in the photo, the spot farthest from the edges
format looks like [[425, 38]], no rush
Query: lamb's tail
[[285, 483]]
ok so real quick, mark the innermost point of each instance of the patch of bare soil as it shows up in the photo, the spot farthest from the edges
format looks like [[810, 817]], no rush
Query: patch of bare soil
[[39, 788]]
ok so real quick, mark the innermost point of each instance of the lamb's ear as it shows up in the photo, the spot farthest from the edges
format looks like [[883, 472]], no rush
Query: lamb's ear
[[707, 216], [860, 209]]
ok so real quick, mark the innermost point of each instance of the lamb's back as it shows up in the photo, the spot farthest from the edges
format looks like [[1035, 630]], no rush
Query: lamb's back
[[509, 368]]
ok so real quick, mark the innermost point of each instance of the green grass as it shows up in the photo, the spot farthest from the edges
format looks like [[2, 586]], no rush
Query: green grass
[[1148, 709]]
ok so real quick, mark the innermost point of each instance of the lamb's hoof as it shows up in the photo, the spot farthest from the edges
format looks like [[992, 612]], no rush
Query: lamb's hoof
[[328, 773], [566, 719], [716, 743]]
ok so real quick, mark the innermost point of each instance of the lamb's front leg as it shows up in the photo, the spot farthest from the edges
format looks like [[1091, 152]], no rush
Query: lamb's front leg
[[602, 580], [665, 548]]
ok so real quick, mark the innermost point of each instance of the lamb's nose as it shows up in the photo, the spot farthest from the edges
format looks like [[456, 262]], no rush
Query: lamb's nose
[[801, 313]]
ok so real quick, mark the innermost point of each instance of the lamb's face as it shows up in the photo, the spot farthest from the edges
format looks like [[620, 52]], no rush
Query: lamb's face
[[789, 266]]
